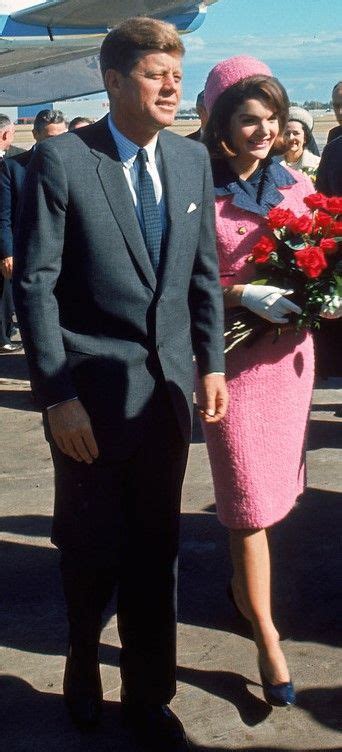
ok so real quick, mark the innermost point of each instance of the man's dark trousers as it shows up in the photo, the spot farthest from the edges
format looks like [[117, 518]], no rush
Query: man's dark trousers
[[137, 500]]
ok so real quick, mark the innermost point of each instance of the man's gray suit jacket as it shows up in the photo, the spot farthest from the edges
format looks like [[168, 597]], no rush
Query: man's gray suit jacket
[[95, 321]]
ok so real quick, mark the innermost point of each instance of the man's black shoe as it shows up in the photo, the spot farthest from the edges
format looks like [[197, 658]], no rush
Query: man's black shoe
[[156, 727], [83, 691]]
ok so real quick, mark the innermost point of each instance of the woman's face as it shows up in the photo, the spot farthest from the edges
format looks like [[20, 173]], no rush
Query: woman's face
[[294, 138], [253, 130]]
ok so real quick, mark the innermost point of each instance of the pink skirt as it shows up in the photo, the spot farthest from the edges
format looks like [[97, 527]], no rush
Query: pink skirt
[[257, 452]]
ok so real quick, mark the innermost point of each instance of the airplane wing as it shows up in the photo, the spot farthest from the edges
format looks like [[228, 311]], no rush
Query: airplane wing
[[96, 13], [52, 83], [49, 52]]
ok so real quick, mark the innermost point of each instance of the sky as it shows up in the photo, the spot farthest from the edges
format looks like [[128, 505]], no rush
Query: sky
[[301, 41]]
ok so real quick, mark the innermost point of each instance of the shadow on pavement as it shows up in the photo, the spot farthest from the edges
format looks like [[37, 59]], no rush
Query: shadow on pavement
[[28, 524], [17, 399], [231, 687], [328, 407], [325, 434], [38, 715], [14, 367], [323, 704], [306, 555]]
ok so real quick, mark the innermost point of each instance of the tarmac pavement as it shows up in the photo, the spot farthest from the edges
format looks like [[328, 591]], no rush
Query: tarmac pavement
[[219, 695]]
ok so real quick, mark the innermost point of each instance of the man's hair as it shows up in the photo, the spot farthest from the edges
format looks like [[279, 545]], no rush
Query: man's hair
[[47, 117], [123, 46], [5, 121], [77, 120], [217, 136], [337, 86]]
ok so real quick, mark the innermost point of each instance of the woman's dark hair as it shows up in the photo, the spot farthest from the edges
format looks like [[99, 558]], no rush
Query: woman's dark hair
[[217, 135]]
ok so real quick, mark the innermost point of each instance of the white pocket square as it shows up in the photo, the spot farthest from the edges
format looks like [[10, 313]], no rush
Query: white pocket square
[[191, 208]]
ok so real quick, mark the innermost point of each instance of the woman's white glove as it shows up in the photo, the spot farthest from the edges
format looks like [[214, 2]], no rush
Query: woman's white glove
[[269, 302]]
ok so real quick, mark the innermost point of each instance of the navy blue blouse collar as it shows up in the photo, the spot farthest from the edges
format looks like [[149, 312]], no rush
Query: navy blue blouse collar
[[258, 194]]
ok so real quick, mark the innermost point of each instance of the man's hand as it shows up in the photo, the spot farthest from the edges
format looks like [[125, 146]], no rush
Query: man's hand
[[6, 267], [212, 397], [71, 429]]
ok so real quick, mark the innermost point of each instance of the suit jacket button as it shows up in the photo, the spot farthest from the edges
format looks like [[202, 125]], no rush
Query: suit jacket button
[[242, 230]]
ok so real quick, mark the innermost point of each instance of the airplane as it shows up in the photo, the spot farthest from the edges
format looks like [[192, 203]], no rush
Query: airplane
[[49, 51]]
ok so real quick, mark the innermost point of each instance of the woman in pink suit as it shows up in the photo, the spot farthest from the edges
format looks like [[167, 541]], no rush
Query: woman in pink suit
[[257, 450]]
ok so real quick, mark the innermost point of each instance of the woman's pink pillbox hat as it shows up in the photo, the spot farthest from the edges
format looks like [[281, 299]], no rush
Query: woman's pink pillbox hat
[[229, 72]]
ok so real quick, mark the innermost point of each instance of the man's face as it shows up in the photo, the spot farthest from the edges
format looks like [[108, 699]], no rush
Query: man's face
[[6, 136], [146, 100], [337, 104], [49, 130]]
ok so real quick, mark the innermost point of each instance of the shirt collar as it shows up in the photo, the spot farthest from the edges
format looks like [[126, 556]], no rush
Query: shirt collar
[[276, 177], [127, 149]]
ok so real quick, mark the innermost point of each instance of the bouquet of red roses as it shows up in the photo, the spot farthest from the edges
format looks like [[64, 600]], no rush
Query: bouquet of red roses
[[304, 255]]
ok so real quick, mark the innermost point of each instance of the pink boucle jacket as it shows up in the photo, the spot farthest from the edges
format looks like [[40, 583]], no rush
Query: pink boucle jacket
[[238, 230]]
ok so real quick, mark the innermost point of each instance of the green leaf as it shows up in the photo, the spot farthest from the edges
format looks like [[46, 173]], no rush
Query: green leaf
[[299, 246]]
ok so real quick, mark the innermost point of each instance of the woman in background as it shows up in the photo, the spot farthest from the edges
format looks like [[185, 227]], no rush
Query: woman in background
[[301, 148], [257, 450]]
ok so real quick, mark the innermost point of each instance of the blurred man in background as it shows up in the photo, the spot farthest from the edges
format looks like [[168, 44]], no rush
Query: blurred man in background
[[337, 105], [47, 123], [203, 116]]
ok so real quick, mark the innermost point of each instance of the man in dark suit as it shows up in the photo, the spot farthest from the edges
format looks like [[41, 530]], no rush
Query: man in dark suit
[[116, 286], [203, 116], [7, 134], [336, 97], [47, 123], [328, 337], [329, 173]]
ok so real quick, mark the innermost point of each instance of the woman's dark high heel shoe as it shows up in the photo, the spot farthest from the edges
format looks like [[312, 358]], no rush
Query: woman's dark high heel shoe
[[277, 694]]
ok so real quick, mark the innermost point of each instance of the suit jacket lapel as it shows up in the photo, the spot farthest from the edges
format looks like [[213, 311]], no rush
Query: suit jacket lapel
[[119, 197]]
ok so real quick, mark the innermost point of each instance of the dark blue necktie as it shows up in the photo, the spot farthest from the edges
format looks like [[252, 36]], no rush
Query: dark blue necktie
[[152, 227]]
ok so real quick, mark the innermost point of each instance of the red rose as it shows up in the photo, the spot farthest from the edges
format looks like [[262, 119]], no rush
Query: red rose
[[322, 222], [328, 245], [262, 249], [300, 225], [279, 217], [336, 228], [316, 201], [334, 204], [311, 260]]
